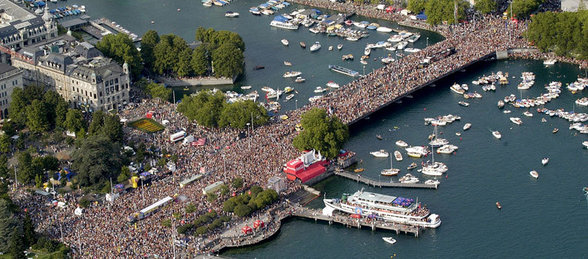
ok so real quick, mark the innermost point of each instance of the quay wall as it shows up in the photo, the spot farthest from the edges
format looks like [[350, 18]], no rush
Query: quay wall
[[195, 81]]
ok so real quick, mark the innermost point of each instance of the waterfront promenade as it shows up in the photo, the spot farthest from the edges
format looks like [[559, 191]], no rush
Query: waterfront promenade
[[102, 231]]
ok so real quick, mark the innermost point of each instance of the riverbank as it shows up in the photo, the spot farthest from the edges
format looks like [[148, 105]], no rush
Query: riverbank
[[195, 81]]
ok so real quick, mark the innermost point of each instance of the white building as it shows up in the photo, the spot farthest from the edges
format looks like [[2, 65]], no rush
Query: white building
[[10, 78]]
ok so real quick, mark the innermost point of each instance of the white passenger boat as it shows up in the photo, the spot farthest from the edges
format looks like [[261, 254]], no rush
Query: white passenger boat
[[496, 134], [285, 42], [401, 45], [467, 126], [516, 120], [545, 160], [395, 38], [456, 88], [319, 89], [290, 74], [413, 38], [534, 174], [401, 143], [582, 101], [389, 240], [380, 153], [447, 149], [339, 46], [316, 46], [417, 151], [398, 155], [332, 84], [432, 182], [437, 142], [284, 24], [267, 89], [389, 208]]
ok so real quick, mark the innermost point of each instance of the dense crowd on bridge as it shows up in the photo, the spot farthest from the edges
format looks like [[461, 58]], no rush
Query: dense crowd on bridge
[[103, 231]]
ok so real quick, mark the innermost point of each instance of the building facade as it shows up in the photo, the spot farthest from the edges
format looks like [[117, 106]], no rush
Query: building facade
[[10, 78], [20, 28]]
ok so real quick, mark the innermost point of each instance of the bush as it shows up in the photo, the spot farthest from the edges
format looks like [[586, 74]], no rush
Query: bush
[[225, 218], [84, 202], [183, 229], [211, 197], [229, 205], [242, 210], [237, 183], [190, 208], [201, 230]]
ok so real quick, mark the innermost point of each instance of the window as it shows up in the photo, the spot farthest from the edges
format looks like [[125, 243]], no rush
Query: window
[[100, 93], [116, 80]]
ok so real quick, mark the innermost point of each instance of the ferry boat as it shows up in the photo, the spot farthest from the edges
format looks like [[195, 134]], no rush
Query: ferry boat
[[342, 70], [390, 208], [282, 22]]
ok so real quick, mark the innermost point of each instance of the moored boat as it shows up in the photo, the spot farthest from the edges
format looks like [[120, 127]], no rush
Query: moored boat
[[342, 70], [380, 153], [299, 80], [412, 165], [285, 42], [398, 155], [496, 134], [389, 240], [545, 160], [534, 174], [290, 74], [516, 120], [401, 143], [302, 44], [316, 46]]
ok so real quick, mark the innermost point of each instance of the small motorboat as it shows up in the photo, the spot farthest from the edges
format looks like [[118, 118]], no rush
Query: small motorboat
[[432, 182], [543, 120], [467, 126], [390, 172], [545, 160], [516, 120], [498, 205], [496, 134], [380, 153], [299, 80], [555, 130], [303, 44], [401, 143], [413, 165], [528, 114], [358, 170], [379, 137], [389, 240], [398, 155], [534, 174], [330, 47], [464, 104], [246, 87], [287, 63], [285, 42], [258, 67], [231, 14], [339, 47]]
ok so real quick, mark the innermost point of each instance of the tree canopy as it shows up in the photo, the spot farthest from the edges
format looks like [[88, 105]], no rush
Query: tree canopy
[[167, 53], [97, 160], [564, 33], [523, 8], [148, 43], [122, 49], [321, 132], [485, 6], [439, 11], [36, 109]]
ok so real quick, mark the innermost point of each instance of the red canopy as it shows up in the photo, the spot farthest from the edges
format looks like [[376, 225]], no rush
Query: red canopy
[[390, 9], [355, 216], [258, 224], [246, 229]]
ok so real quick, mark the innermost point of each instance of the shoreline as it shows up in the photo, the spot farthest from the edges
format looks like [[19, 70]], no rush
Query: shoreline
[[195, 81]]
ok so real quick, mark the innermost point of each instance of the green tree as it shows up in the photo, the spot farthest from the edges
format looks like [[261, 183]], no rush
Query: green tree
[[229, 205], [228, 60], [148, 42], [112, 128], [74, 120], [242, 210], [60, 113], [122, 49], [183, 67], [416, 6], [485, 6], [30, 237], [237, 182], [238, 114], [5, 143], [25, 171], [438, 11], [50, 163], [37, 120], [97, 160], [51, 100], [17, 245], [4, 171], [96, 124], [8, 224], [523, 8], [205, 108], [200, 61], [167, 53], [159, 91], [321, 132]]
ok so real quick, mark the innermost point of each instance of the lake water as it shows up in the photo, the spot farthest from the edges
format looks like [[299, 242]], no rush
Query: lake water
[[543, 217]]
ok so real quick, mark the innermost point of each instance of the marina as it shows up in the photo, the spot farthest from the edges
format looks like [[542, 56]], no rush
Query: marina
[[381, 184]]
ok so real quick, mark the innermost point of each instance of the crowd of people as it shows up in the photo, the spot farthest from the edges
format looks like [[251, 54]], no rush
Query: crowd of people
[[102, 230]]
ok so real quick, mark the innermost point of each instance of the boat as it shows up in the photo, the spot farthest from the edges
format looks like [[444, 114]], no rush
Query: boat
[[390, 171], [287, 63], [500, 104], [314, 98], [319, 89], [388, 208], [412, 50], [467, 126], [288, 89], [316, 46], [362, 61], [258, 67], [290, 96], [347, 57], [413, 38], [516, 120], [285, 42], [432, 182], [290, 74], [299, 80], [417, 151], [437, 142], [379, 137], [462, 103], [496, 134], [387, 60], [332, 84], [283, 23], [339, 46], [412, 165], [585, 144], [267, 89], [457, 89], [549, 62], [401, 143], [446, 149], [555, 130], [498, 205], [545, 160], [246, 87], [302, 44], [389, 240], [367, 51], [543, 120], [528, 114], [231, 14], [384, 29], [409, 178], [330, 48], [380, 153], [534, 174], [398, 155], [343, 70], [582, 101], [358, 170], [434, 168], [395, 38], [506, 111]]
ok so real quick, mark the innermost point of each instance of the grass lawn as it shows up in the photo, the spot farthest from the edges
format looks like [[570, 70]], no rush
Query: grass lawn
[[147, 125]]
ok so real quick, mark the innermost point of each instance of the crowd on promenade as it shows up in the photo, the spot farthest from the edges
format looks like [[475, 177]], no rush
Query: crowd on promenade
[[102, 230]]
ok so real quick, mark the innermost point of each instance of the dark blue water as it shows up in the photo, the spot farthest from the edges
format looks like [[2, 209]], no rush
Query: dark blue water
[[544, 217]]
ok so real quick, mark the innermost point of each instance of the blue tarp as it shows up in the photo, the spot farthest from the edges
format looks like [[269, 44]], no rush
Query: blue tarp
[[280, 18], [421, 16]]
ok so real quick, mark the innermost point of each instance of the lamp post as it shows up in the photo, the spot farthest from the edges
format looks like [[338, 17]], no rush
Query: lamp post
[[249, 135], [427, 42], [296, 104]]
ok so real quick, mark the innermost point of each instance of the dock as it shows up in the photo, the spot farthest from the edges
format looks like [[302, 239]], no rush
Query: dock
[[375, 183], [103, 26]]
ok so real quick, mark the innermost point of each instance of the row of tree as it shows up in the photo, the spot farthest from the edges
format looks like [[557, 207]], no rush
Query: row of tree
[[122, 49], [564, 33], [154, 90], [211, 110], [246, 203], [220, 54]]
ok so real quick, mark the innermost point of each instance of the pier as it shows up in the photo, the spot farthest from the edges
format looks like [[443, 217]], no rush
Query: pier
[[103, 26], [372, 182]]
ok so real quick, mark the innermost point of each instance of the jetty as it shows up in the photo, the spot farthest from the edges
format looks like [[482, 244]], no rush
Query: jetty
[[375, 183], [100, 27]]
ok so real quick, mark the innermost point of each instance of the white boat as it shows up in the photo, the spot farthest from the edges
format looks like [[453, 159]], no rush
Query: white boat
[[549, 62], [314, 98], [290, 96], [437, 142], [409, 178], [582, 101], [467, 126], [417, 151], [231, 14], [395, 38], [413, 38], [545, 160], [330, 48], [401, 45], [367, 51], [390, 171], [516, 120], [412, 50], [284, 25], [462, 103], [506, 111], [456, 88], [389, 240], [387, 60], [496, 134], [585, 144], [447, 149], [299, 80], [380, 153], [398, 155], [528, 114], [339, 46], [291, 74], [267, 89], [332, 84], [316, 46], [534, 174], [285, 42], [401, 143], [246, 87], [288, 89], [384, 29], [287, 63], [319, 89], [432, 182], [388, 208]]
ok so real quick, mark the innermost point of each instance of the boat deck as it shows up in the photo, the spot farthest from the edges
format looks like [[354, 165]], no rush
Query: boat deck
[[375, 183]]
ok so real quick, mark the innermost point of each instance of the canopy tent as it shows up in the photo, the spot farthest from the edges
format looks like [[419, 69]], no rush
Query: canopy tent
[[258, 224], [404, 202], [246, 229]]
